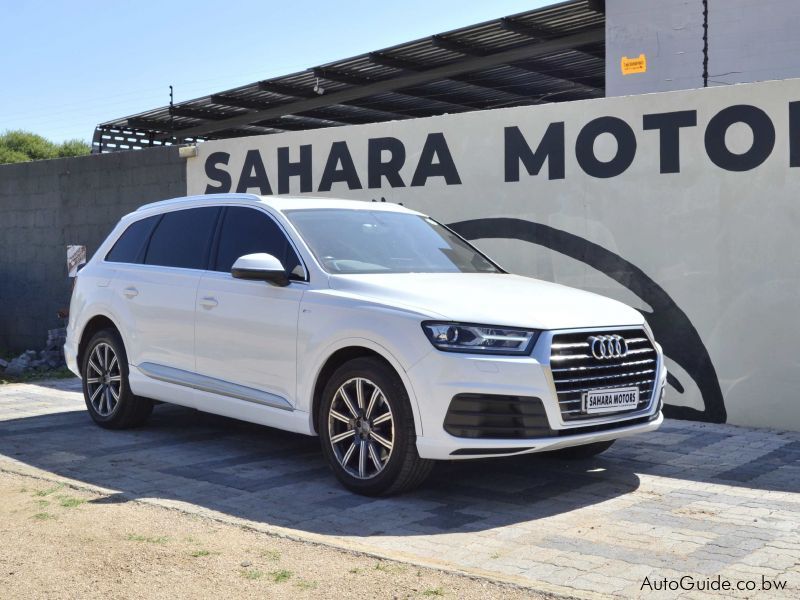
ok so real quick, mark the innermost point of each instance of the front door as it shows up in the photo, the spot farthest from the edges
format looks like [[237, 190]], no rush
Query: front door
[[246, 331]]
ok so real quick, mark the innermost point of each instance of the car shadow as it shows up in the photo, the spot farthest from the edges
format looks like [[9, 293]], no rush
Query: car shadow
[[270, 476]]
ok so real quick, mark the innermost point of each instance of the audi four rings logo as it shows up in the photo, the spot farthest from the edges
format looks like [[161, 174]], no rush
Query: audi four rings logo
[[608, 346]]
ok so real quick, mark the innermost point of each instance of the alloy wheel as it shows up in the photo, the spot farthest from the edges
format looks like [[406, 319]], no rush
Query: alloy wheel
[[361, 428], [103, 379]]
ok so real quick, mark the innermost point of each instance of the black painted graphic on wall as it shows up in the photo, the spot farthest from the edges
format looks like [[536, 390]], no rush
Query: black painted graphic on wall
[[671, 326]]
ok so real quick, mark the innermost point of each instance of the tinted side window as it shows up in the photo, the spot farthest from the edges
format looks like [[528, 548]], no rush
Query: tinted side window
[[131, 244], [247, 231], [182, 238]]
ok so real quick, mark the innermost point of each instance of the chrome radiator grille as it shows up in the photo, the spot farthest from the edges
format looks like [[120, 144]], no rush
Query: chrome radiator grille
[[577, 371]]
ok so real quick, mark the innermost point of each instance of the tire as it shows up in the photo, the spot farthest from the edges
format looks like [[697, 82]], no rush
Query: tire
[[106, 390], [581, 452], [361, 460]]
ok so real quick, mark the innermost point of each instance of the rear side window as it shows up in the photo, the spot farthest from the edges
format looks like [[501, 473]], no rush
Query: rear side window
[[182, 238], [248, 231], [131, 244]]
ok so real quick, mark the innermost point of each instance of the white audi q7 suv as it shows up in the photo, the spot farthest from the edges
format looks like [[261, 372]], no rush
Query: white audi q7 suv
[[370, 325]]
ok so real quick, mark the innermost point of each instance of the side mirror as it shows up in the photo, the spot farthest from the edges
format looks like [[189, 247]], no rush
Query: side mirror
[[260, 267]]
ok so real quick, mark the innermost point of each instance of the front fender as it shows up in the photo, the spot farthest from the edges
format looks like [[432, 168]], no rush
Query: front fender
[[306, 386], [328, 323]]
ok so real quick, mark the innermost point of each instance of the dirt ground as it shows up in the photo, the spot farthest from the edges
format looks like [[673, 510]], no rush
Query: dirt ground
[[58, 542]]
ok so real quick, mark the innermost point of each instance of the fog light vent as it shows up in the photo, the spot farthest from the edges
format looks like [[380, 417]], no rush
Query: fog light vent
[[496, 417]]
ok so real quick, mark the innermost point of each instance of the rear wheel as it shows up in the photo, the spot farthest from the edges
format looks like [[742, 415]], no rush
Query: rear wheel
[[108, 396], [367, 430], [580, 452]]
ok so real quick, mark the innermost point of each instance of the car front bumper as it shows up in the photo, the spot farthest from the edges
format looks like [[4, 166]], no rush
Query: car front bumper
[[440, 376], [443, 449]]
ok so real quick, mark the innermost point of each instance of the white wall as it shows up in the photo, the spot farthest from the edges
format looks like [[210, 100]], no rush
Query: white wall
[[712, 253], [668, 32], [753, 41], [748, 41]]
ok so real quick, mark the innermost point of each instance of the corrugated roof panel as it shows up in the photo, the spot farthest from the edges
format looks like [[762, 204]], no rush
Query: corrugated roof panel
[[375, 86]]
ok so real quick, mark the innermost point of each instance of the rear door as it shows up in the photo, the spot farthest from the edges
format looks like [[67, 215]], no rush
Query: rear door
[[155, 294], [246, 332]]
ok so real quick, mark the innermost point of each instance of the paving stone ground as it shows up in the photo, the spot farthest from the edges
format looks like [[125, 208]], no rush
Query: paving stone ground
[[692, 499]]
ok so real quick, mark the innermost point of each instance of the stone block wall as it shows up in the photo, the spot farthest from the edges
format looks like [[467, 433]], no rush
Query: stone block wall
[[47, 205]]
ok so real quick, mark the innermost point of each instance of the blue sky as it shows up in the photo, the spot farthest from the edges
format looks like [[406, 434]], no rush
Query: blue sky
[[68, 65]]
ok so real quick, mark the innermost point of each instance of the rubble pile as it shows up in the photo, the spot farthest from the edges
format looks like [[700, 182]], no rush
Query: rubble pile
[[52, 357]]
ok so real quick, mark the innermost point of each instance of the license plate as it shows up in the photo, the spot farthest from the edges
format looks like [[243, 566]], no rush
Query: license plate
[[603, 401]]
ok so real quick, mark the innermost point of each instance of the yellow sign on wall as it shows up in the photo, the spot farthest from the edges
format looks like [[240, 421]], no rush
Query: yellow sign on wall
[[634, 65]]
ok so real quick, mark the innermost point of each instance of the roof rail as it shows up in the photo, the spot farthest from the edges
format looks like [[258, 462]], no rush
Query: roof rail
[[183, 199]]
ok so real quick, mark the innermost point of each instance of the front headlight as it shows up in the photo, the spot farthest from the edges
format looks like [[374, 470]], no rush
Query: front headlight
[[479, 339]]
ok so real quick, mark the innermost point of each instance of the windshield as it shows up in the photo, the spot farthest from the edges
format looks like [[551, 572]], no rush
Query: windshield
[[373, 241]]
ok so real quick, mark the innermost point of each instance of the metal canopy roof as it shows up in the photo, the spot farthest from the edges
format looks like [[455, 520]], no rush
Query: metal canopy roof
[[551, 54]]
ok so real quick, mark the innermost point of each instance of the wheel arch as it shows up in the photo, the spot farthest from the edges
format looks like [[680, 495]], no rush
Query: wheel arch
[[349, 351], [97, 323]]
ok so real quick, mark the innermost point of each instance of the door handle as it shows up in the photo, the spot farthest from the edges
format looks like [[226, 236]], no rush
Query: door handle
[[208, 302], [130, 292]]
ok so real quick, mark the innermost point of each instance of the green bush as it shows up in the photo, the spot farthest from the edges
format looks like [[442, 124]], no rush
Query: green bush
[[73, 148], [23, 146], [7, 155]]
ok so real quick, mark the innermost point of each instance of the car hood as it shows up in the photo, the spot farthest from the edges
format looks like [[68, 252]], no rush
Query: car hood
[[491, 298]]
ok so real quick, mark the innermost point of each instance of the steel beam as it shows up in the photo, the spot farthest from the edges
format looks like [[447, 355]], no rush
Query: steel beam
[[237, 102], [540, 33], [339, 119], [585, 80], [533, 66], [203, 114], [286, 90], [285, 125], [147, 124], [457, 46], [407, 65], [531, 30]]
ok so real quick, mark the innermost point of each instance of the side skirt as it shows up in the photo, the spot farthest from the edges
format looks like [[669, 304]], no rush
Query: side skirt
[[213, 386], [235, 402]]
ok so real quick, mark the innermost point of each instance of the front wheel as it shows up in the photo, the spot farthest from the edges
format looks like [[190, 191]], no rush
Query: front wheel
[[581, 452], [106, 390], [367, 430]]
